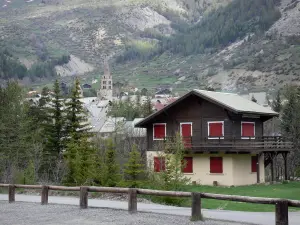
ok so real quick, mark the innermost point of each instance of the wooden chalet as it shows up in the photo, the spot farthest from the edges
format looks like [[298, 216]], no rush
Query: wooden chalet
[[223, 136]]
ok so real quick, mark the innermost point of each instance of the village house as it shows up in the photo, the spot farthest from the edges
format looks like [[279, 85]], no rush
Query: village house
[[223, 137]]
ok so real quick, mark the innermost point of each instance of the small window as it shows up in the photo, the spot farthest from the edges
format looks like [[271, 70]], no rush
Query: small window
[[159, 164], [216, 165], [109, 82], [104, 87], [188, 165], [159, 131], [216, 130], [109, 87], [248, 130], [104, 82], [253, 164]]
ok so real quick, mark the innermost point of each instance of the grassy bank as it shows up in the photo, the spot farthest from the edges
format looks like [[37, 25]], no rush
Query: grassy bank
[[289, 191]]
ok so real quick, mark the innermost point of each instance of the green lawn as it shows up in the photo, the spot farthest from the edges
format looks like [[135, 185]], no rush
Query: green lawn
[[289, 191]]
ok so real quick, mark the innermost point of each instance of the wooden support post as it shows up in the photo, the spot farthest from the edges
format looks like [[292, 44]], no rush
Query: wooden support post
[[83, 202], [196, 207], [272, 167], [11, 193], [284, 155], [44, 195], [257, 169], [282, 213], [132, 200]]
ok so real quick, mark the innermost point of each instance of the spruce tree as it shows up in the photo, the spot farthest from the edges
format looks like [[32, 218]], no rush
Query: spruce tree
[[111, 168], [134, 169], [76, 124], [147, 107], [55, 131], [276, 104]]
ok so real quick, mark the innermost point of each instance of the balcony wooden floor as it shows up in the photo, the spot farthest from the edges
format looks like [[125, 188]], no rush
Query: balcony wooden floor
[[237, 144]]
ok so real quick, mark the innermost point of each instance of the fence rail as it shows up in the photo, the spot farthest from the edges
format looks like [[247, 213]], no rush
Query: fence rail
[[281, 205]]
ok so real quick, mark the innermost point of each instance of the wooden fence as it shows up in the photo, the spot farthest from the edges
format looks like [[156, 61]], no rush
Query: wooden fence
[[281, 205]]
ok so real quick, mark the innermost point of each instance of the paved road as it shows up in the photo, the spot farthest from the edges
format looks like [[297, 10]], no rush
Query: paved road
[[265, 218]]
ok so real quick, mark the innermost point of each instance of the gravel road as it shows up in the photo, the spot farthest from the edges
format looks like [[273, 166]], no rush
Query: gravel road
[[21, 213]]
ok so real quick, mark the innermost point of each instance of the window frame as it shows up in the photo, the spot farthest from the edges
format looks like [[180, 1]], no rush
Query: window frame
[[243, 137], [188, 123], [191, 157], [208, 123], [161, 160], [210, 165], [159, 139]]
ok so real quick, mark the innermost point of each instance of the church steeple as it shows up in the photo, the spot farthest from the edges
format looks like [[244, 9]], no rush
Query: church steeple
[[106, 83]]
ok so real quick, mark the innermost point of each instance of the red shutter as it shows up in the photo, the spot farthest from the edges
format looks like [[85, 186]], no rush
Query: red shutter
[[186, 133], [188, 162], [215, 129], [253, 164], [248, 129], [159, 164], [216, 165], [159, 131]]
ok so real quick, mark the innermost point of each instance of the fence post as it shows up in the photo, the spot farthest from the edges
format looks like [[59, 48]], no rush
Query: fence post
[[282, 212], [132, 200], [11, 193], [83, 202], [44, 195], [196, 207]]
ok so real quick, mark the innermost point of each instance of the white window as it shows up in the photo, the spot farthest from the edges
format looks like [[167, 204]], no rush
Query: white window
[[215, 129], [159, 131], [248, 130]]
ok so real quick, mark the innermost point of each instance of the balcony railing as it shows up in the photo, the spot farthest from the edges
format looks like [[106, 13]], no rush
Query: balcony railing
[[265, 143]]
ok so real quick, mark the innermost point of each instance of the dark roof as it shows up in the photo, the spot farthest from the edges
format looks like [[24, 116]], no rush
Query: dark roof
[[232, 102]]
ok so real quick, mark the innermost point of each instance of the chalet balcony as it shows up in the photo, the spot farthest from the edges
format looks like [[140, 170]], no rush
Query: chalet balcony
[[237, 144]]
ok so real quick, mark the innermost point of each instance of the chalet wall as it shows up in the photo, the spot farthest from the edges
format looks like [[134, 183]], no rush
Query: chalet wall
[[199, 112], [242, 174], [236, 169]]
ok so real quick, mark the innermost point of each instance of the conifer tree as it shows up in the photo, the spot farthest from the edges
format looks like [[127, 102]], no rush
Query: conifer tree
[[147, 107], [276, 104], [54, 130], [111, 168], [76, 124], [134, 169]]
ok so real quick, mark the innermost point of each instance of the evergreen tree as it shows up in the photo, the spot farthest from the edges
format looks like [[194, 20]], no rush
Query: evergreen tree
[[276, 104], [134, 169], [76, 125], [55, 131], [147, 107], [111, 168], [44, 97], [81, 162]]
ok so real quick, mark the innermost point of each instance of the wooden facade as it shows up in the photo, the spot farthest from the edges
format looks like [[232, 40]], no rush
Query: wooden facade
[[217, 129]]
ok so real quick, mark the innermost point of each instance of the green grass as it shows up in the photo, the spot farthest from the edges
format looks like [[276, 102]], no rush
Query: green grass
[[288, 191]]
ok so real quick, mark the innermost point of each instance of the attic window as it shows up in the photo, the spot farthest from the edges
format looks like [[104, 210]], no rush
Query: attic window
[[159, 131], [248, 130], [215, 130]]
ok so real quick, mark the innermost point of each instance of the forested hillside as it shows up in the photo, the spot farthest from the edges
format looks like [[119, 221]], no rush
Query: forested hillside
[[229, 44]]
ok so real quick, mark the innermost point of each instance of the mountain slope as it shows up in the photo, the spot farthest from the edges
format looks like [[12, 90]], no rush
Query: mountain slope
[[148, 41]]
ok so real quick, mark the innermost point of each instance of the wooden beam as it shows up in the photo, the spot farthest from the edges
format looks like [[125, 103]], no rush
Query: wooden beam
[[11, 193], [282, 213], [258, 168], [83, 201], [44, 195], [284, 155], [132, 200], [196, 207]]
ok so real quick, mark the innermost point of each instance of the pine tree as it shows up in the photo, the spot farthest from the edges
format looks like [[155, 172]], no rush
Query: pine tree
[[276, 104], [44, 97], [111, 168], [134, 169], [147, 107], [54, 131], [76, 124]]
